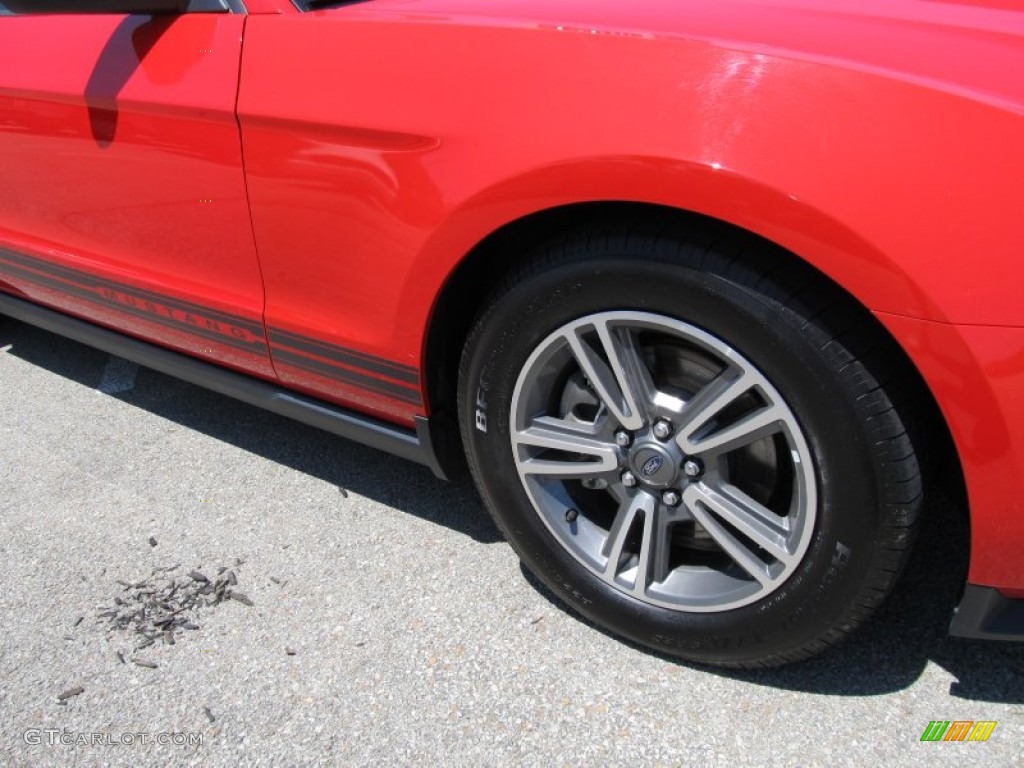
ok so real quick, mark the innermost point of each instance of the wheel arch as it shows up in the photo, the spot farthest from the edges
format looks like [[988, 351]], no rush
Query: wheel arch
[[468, 286]]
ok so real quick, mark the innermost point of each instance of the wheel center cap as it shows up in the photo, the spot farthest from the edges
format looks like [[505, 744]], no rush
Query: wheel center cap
[[654, 466]]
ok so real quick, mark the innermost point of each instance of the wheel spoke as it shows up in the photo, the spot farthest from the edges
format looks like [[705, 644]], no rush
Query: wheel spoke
[[621, 382], [652, 558], [655, 545], [737, 550], [711, 401], [751, 428], [616, 539], [754, 520], [551, 434]]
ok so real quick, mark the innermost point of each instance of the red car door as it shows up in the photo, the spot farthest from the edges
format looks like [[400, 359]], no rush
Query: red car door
[[123, 196]]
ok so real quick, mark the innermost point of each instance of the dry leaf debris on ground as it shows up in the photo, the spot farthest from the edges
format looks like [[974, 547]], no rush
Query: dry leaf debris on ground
[[158, 607]]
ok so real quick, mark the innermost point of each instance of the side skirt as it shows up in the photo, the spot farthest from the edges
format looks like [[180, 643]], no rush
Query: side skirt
[[415, 445]]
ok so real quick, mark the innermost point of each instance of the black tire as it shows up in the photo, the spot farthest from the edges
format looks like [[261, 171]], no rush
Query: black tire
[[855, 502]]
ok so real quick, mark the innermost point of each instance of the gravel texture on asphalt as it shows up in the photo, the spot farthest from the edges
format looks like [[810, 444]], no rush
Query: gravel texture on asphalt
[[384, 621]]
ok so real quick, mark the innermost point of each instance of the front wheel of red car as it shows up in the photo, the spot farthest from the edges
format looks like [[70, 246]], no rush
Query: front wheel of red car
[[684, 451]]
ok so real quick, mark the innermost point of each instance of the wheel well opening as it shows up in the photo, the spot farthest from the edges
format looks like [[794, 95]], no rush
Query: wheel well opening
[[490, 263]]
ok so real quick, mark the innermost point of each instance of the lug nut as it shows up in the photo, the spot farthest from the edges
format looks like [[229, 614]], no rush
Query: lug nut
[[671, 498], [693, 468], [628, 479], [623, 438], [662, 429]]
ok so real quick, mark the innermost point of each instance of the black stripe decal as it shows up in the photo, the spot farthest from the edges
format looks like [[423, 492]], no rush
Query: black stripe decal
[[214, 325], [83, 278], [188, 323], [363, 381], [280, 339]]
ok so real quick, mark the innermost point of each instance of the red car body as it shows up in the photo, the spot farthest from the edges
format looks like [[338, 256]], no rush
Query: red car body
[[307, 197]]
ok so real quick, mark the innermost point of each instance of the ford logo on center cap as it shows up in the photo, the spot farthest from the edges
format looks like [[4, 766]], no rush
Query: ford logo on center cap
[[651, 466]]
